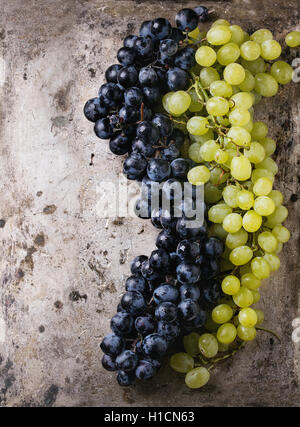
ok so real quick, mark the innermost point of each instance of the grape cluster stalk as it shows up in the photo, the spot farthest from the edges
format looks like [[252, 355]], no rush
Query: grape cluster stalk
[[176, 91]]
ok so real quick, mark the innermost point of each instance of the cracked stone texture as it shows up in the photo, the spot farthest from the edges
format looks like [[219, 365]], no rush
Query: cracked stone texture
[[63, 267]]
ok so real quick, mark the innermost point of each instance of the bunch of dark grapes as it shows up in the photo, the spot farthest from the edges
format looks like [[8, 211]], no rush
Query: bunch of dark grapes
[[170, 292], [167, 295]]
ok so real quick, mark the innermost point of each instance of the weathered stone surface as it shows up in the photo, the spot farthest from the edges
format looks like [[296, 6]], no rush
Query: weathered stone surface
[[62, 267]]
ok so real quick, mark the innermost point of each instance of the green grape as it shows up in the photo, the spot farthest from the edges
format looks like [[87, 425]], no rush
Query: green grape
[[217, 106], [229, 195], [225, 254], [278, 216], [205, 56], [198, 175], [245, 200], [257, 97], [243, 100], [223, 347], [277, 197], [279, 249], [257, 66], [217, 176], [273, 261], [265, 84], [232, 223], [202, 138], [241, 255], [248, 317], [208, 150], [182, 362], [165, 101], [222, 313], [235, 89], [270, 50], [197, 125], [250, 50], [195, 33], [260, 173], [237, 34], [249, 82], [194, 152], [236, 321], [267, 241], [248, 126], [231, 154], [261, 36], [260, 316], [221, 22], [230, 285], [218, 35], [256, 152], [223, 120], [190, 343], [228, 53], [269, 145], [240, 168], [196, 105], [259, 131], [282, 72], [210, 325], [179, 102], [221, 156], [246, 334], [212, 194], [260, 268], [233, 240], [293, 39], [225, 265], [243, 298], [208, 75], [197, 377], [239, 136], [262, 187], [248, 185], [217, 230], [226, 333], [256, 296], [234, 74], [220, 88], [218, 212], [268, 164], [239, 116], [281, 233], [252, 221], [208, 345], [250, 281], [264, 206]]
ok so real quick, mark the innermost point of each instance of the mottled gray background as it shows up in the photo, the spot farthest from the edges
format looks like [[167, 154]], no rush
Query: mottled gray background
[[62, 267]]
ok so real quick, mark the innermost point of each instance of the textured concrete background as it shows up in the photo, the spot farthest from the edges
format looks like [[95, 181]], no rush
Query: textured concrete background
[[62, 267]]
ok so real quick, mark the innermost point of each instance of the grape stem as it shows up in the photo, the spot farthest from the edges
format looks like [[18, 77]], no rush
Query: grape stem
[[260, 328], [226, 356]]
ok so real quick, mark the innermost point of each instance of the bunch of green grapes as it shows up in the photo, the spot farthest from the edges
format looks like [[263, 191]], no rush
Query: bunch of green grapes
[[234, 161]]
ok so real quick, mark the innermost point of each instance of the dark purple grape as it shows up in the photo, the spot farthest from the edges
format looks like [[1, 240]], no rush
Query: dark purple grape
[[136, 264], [111, 74], [108, 363], [145, 325], [95, 109], [121, 324], [126, 56], [186, 20], [112, 345], [161, 28]]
